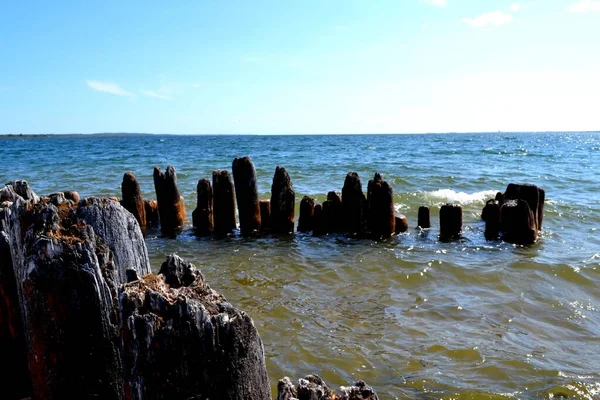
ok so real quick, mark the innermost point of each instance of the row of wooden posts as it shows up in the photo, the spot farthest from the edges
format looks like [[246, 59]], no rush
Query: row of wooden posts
[[348, 212]]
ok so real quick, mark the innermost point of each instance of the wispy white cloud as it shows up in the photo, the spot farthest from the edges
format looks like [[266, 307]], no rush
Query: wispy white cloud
[[152, 93], [494, 18], [196, 85], [515, 7], [109, 87], [584, 6], [437, 3]]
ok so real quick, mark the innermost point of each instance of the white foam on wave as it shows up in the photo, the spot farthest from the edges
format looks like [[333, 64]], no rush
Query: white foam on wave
[[462, 198]]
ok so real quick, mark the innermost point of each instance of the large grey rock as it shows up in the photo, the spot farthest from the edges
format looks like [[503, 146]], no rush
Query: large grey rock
[[312, 387]]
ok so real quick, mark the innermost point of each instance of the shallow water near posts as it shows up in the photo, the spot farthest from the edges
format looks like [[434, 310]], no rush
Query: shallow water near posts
[[414, 317]]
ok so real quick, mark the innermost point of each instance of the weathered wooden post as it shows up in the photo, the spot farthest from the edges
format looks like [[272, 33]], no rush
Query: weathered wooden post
[[246, 193], [491, 216], [450, 221], [423, 218], [307, 211], [354, 205], [401, 223], [283, 201], [265, 216], [132, 198], [202, 217], [518, 222], [380, 199], [171, 206], [319, 227], [224, 203], [152, 216], [332, 213], [533, 195]]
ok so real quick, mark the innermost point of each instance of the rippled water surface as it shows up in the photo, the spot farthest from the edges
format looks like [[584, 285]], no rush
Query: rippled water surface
[[413, 317]]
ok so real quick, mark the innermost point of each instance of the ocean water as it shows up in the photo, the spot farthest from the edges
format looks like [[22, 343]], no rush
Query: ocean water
[[413, 317]]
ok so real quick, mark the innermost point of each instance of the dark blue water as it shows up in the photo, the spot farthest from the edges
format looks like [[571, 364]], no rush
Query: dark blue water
[[413, 317]]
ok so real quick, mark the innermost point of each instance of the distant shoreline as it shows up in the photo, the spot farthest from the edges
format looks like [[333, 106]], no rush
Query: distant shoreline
[[124, 134]]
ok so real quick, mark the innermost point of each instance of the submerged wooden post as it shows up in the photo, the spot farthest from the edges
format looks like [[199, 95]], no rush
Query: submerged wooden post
[[381, 220], [401, 223], [223, 203], [354, 205], [518, 222], [132, 198], [171, 206], [332, 213], [450, 221], [319, 227], [307, 211], [283, 202], [246, 193], [491, 216], [265, 216], [424, 220], [152, 216], [533, 195], [202, 217]]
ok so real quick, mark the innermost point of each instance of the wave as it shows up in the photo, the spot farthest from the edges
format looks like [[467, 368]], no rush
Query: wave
[[442, 196]]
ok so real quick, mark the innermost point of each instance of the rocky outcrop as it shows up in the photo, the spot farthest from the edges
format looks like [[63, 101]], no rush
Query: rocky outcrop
[[202, 217], [223, 203], [380, 200], [246, 193], [171, 206], [354, 205], [283, 201], [313, 387], [132, 198]]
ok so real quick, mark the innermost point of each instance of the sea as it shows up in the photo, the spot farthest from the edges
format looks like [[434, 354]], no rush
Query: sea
[[414, 317]]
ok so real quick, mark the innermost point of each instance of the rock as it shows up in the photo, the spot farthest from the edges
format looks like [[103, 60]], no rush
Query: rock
[[14, 380], [189, 343], [114, 198], [223, 203], [424, 220], [381, 221], [313, 387], [58, 198], [73, 196], [265, 216], [533, 195], [354, 205], [246, 193], [491, 216], [401, 223], [283, 202], [152, 216], [333, 219], [518, 222], [307, 211], [450, 221], [132, 198], [202, 217], [171, 206], [65, 276]]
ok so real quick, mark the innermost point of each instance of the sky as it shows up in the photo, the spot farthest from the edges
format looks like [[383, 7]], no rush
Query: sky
[[285, 67]]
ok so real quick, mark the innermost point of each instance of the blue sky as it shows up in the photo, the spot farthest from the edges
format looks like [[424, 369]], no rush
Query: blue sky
[[210, 67]]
